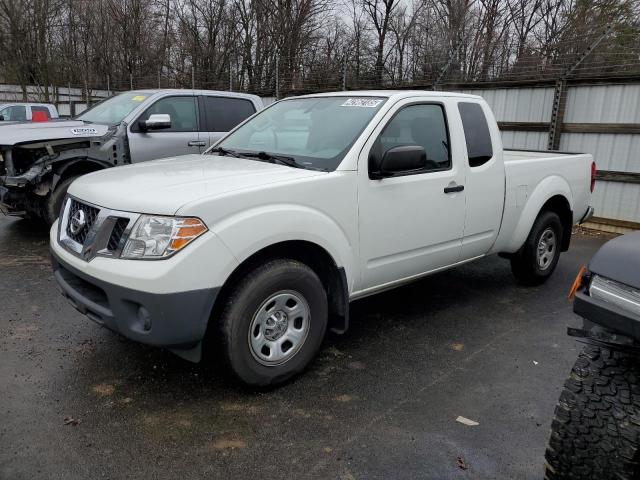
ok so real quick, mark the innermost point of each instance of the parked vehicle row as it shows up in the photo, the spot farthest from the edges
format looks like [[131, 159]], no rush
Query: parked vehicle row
[[258, 246], [38, 161]]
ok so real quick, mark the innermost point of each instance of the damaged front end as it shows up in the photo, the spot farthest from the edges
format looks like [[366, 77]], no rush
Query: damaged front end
[[30, 170]]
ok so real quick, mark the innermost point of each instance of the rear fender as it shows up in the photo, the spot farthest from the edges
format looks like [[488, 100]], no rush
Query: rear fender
[[546, 189]]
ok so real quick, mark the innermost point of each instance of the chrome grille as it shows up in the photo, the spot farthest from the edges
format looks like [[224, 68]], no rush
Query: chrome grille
[[116, 234], [88, 230], [89, 215]]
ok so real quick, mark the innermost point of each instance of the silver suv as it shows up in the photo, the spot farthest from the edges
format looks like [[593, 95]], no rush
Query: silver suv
[[39, 161]]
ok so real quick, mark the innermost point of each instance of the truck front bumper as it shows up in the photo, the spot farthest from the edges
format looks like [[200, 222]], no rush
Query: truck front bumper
[[177, 321], [606, 315]]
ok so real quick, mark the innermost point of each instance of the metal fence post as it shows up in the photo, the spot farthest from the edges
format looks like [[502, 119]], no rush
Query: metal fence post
[[344, 69], [277, 75], [71, 112]]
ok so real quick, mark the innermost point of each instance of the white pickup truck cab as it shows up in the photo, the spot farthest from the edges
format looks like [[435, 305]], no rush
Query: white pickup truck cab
[[260, 244]]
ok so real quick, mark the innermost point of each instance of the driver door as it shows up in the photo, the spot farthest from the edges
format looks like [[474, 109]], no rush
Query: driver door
[[411, 223], [181, 138]]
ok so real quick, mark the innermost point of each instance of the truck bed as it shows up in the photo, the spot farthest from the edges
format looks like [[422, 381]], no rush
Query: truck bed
[[516, 155], [564, 173]]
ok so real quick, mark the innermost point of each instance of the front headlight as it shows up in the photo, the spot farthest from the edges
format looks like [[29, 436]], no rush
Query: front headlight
[[160, 237], [616, 293]]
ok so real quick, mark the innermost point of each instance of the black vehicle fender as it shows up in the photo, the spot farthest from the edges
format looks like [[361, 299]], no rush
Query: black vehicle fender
[[76, 166]]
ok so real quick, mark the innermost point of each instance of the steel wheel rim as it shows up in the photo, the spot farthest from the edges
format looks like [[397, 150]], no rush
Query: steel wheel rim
[[546, 250], [279, 328]]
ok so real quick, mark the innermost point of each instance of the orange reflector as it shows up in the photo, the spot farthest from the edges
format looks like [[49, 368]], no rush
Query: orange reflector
[[576, 283], [190, 229]]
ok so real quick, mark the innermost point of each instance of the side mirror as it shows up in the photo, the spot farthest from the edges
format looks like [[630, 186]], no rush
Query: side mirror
[[400, 160], [156, 121]]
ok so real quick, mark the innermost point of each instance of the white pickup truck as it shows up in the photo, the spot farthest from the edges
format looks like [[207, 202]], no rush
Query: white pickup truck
[[259, 245]]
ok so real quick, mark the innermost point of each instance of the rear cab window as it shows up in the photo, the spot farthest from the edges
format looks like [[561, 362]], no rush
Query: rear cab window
[[41, 111], [476, 132], [221, 114]]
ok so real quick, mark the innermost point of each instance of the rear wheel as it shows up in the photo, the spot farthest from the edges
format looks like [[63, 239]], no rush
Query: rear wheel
[[55, 199], [273, 322], [595, 432], [534, 263]]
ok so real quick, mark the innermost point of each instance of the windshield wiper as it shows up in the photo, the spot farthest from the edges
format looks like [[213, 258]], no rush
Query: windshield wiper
[[282, 159], [224, 151]]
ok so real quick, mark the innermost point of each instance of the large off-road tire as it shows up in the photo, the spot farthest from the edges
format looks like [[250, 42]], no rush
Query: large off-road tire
[[595, 433], [534, 263], [273, 322], [55, 199]]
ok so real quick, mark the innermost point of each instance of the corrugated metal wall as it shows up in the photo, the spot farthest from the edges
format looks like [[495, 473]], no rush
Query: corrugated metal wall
[[585, 104]]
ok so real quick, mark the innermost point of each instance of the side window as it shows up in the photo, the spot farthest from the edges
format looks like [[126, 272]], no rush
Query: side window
[[476, 132], [223, 113], [424, 125], [43, 111], [181, 109], [16, 113]]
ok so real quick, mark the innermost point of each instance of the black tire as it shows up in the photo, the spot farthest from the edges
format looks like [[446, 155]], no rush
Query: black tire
[[595, 433], [244, 302], [55, 199], [524, 263]]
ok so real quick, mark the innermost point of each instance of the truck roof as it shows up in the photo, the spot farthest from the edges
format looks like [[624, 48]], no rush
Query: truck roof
[[221, 93], [25, 104], [396, 94]]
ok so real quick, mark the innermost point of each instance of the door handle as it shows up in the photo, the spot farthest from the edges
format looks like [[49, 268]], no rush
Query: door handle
[[196, 143], [454, 189]]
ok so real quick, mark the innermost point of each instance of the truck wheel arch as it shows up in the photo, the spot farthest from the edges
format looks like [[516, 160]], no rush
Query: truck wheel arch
[[318, 259], [76, 167], [552, 194]]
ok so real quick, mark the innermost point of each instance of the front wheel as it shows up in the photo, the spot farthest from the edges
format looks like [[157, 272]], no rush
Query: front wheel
[[273, 322], [55, 199], [595, 433], [534, 263]]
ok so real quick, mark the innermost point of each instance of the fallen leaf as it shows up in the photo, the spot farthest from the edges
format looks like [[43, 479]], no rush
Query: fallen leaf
[[71, 421], [458, 347], [461, 463], [344, 398], [466, 421]]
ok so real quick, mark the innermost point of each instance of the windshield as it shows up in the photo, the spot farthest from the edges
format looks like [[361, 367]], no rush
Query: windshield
[[113, 110], [316, 132]]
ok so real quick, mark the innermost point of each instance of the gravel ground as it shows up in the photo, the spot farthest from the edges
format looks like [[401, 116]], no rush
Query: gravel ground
[[77, 401]]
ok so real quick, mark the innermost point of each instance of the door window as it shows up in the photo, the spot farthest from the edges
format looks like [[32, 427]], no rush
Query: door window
[[15, 113], [422, 125], [182, 111], [476, 132], [223, 113]]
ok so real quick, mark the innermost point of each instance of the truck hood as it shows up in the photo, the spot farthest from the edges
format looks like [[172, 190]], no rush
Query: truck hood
[[15, 133], [619, 260], [163, 186]]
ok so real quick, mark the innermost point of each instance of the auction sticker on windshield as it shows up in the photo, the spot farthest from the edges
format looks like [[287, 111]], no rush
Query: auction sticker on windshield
[[362, 102]]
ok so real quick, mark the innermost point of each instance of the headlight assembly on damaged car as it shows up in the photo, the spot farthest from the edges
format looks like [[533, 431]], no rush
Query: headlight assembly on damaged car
[[615, 293], [154, 237]]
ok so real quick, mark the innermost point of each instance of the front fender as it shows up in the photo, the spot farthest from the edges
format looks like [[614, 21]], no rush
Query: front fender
[[546, 189], [247, 232]]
